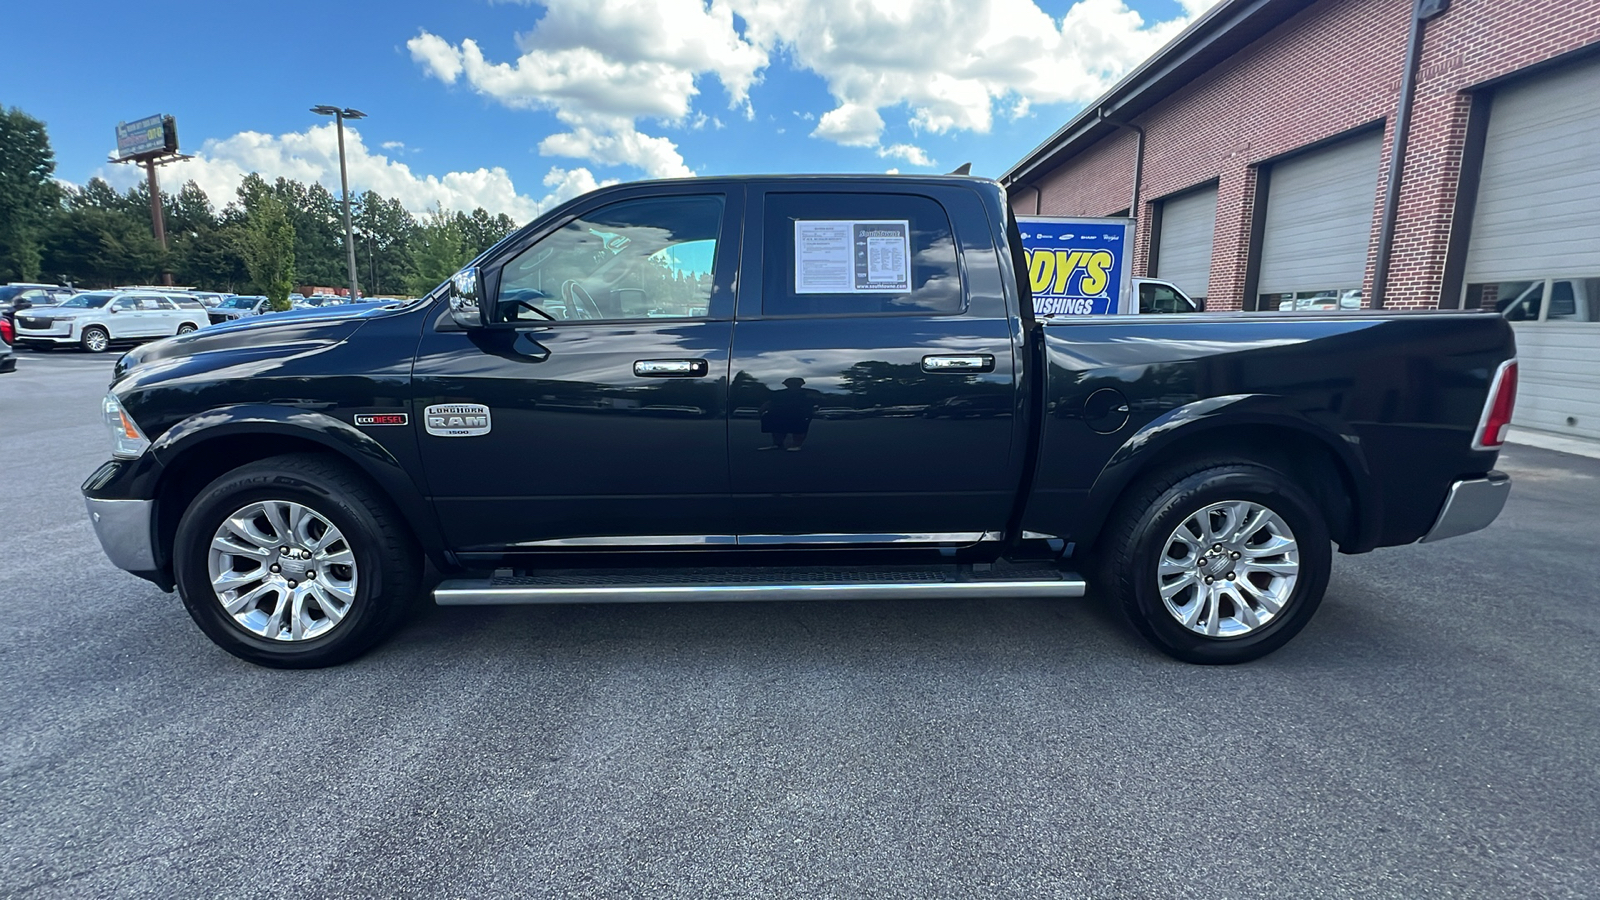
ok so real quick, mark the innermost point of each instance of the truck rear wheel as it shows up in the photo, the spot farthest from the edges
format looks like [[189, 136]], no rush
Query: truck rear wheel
[[1218, 561], [295, 562]]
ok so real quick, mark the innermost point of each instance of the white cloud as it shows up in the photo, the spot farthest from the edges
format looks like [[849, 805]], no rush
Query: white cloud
[[911, 153], [951, 61], [852, 125], [393, 146], [313, 156], [603, 66], [621, 146]]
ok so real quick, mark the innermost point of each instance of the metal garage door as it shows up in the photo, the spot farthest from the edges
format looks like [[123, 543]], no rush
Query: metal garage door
[[1183, 251], [1318, 225], [1534, 249]]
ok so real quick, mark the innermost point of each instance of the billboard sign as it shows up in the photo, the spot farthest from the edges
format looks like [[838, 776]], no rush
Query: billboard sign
[[1078, 267], [146, 135]]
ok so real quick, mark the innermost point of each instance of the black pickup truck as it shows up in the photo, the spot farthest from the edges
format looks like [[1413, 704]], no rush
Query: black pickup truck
[[786, 388]]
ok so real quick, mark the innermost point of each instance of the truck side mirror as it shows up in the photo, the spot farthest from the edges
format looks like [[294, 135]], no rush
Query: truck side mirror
[[464, 290]]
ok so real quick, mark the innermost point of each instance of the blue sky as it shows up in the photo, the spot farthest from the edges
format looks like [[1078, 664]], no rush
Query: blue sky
[[517, 105]]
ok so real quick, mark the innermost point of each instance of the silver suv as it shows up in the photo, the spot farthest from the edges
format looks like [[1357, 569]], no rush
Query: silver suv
[[97, 319]]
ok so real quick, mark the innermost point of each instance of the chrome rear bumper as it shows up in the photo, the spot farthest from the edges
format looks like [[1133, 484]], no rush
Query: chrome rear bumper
[[1470, 506]]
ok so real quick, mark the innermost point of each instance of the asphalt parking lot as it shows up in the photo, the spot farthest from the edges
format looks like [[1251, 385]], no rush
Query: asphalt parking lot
[[1435, 732]]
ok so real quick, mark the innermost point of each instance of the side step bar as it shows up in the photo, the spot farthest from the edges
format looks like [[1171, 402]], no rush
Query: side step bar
[[665, 588]]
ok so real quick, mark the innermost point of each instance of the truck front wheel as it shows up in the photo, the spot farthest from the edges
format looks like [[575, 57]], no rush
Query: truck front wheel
[[295, 562], [1218, 561]]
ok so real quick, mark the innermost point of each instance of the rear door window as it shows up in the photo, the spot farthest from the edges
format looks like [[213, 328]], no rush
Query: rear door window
[[858, 254]]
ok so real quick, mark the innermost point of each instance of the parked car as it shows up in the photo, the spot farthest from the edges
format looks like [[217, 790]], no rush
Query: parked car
[[96, 320], [17, 297], [237, 307], [289, 474], [315, 301], [8, 358], [1321, 301]]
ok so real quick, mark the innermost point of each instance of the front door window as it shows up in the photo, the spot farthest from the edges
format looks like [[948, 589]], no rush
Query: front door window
[[641, 259]]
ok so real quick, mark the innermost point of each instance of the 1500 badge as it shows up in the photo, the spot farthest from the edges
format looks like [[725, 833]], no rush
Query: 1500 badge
[[456, 419]]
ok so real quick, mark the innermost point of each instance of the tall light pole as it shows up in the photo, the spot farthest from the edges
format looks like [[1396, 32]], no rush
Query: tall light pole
[[339, 116]]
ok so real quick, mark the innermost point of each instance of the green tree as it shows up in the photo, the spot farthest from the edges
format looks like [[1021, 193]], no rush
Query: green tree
[[266, 241], [205, 246], [318, 231], [95, 247], [439, 250], [482, 230], [384, 231], [98, 195], [189, 212], [28, 195]]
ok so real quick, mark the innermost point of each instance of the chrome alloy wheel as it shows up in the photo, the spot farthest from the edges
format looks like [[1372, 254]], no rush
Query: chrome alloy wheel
[[1229, 569], [96, 341], [282, 570]]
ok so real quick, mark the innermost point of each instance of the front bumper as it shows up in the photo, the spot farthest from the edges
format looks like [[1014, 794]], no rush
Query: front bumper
[[1471, 505], [126, 532], [59, 331]]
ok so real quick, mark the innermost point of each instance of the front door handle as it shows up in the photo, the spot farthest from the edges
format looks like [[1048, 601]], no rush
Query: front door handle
[[670, 368], [974, 362]]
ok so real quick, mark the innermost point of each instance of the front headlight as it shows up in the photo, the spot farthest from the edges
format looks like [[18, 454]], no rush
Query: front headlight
[[127, 441]]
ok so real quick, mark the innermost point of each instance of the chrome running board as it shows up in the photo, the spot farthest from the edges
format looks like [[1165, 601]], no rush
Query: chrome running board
[[633, 586]]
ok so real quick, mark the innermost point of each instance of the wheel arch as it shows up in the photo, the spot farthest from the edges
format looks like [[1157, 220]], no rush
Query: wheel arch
[[1324, 457], [197, 450]]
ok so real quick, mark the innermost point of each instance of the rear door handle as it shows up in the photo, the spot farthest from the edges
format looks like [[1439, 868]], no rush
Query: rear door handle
[[975, 362], [670, 368]]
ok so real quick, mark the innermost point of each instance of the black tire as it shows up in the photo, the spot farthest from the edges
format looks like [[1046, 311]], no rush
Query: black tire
[[186, 328], [386, 556], [1139, 532], [95, 339]]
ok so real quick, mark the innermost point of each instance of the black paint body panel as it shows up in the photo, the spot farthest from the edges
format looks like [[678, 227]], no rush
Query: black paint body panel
[[805, 426]]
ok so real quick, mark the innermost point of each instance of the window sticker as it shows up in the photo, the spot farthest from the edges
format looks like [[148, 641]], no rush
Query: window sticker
[[852, 256]]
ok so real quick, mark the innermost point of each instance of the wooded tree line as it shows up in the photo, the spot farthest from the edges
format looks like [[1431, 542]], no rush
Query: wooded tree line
[[264, 240]]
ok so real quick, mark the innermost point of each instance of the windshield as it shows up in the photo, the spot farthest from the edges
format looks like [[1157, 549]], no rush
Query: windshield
[[87, 301], [238, 303], [10, 290]]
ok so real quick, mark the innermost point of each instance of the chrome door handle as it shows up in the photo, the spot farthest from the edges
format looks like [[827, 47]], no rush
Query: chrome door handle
[[670, 368], [977, 362]]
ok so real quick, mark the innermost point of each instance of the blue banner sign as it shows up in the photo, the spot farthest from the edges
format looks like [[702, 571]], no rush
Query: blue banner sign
[[1076, 267]]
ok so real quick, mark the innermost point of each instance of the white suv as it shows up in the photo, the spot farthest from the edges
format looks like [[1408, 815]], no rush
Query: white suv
[[97, 319]]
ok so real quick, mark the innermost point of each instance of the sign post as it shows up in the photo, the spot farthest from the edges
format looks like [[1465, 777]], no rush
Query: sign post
[[150, 142]]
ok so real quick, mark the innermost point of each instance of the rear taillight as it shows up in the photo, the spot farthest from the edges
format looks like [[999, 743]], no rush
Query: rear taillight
[[6, 333], [1496, 417]]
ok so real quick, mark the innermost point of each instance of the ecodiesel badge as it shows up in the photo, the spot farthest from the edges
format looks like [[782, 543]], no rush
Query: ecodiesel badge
[[456, 419]]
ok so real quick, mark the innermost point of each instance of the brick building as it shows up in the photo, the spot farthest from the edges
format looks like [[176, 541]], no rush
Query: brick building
[[1255, 152]]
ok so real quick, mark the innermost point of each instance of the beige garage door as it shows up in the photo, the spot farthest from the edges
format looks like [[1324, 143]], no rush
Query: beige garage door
[[1534, 250], [1183, 250], [1319, 225]]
